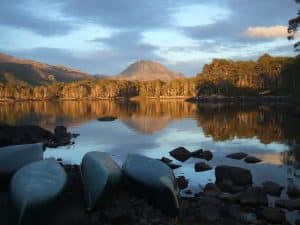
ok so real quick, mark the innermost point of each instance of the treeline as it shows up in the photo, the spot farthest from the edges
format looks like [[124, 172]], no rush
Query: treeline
[[266, 76], [100, 89]]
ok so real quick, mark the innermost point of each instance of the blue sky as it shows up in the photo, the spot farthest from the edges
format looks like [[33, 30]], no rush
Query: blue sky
[[103, 37]]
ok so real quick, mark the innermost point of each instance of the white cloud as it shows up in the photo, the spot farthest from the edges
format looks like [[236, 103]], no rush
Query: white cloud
[[272, 32]]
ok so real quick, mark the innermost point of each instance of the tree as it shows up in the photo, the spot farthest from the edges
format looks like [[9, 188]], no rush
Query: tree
[[293, 27]]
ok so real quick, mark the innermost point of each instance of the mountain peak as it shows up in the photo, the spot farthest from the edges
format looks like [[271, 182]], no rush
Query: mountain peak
[[148, 70]]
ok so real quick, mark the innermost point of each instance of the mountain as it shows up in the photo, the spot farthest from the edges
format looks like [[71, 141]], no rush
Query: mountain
[[147, 70], [22, 71]]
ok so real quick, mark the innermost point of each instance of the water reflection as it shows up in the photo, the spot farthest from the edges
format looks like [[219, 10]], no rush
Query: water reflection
[[160, 126]]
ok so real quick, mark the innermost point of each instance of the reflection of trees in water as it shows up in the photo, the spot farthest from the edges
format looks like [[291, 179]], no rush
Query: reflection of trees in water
[[144, 116], [265, 123]]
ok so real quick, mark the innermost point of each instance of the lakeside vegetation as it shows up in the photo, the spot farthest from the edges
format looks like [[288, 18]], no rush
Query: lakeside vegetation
[[266, 76]]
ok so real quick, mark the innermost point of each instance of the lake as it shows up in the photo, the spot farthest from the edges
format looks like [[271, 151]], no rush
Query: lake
[[153, 128]]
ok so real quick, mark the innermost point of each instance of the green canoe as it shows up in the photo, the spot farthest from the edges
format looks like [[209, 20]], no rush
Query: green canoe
[[34, 188], [99, 174], [14, 157], [155, 180]]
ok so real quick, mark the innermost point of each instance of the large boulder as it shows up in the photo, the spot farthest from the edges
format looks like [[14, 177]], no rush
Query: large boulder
[[238, 176], [180, 153]]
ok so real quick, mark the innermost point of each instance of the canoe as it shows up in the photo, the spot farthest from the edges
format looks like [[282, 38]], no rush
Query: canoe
[[99, 174], [14, 157], [35, 187], [153, 179]]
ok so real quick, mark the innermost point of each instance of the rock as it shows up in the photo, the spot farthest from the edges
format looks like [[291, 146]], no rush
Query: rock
[[211, 189], [173, 166], [254, 196], [188, 192], [227, 197], [272, 215], [182, 182], [237, 155], [107, 118], [208, 209], [60, 131], [181, 154], [201, 166], [297, 222], [229, 186], [288, 204], [166, 160], [293, 191], [272, 188], [252, 159], [202, 154], [237, 175]]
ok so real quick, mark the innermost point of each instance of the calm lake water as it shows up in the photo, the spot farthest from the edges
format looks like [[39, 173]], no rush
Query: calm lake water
[[153, 128]]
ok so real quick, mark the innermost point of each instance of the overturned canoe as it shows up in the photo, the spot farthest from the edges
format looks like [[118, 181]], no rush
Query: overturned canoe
[[34, 188], [99, 174], [14, 157], [155, 180]]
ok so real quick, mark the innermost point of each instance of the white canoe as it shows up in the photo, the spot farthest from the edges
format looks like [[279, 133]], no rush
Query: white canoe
[[155, 180], [99, 174], [34, 188]]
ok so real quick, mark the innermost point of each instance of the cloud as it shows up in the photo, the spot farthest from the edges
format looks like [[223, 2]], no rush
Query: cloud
[[272, 32]]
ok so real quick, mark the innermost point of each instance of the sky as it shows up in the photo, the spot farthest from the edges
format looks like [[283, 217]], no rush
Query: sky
[[103, 37]]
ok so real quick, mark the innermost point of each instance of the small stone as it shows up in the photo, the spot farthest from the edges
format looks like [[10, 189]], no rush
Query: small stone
[[188, 192], [201, 166], [272, 215], [182, 182], [288, 204], [254, 196], [173, 166], [202, 154], [252, 159], [181, 154], [272, 188], [237, 155], [166, 160]]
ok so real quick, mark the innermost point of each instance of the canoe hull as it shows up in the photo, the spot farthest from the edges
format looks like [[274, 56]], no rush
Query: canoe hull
[[154, 180], [99, 175], [35, 187]]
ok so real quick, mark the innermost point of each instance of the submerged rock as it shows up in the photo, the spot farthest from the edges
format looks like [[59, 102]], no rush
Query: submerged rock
[[252, 159], [107, 118], [181, 154], [237, 155], [182, 182], [238, 176], [202, 166], [202, 154]]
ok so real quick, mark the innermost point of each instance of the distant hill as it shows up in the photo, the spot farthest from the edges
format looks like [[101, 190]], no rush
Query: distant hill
[[147, 70], [15, 70]]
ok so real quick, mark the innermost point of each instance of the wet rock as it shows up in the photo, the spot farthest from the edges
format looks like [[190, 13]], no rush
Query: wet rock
[[237, 213], [208, 209], [254, 196], [107, 118], [236, 175], [272, 188], [272, 215], [166, 160], [202, 154], [252, 159], [237, 155], [201, 166], [288, 204], [173, 166], [180, 153], [182, 182], [211, 189], [188, 192]]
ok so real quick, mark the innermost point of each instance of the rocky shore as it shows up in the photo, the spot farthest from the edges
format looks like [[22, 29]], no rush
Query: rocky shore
[[232, 199], [28, 134]]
